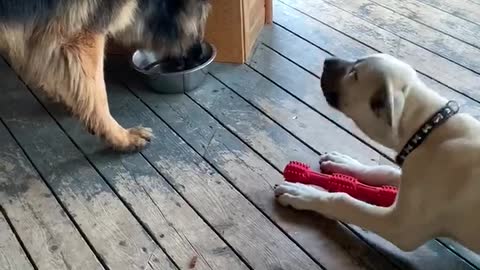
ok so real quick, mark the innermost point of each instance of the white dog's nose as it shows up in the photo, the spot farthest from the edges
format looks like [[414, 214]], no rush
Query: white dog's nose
[[329, 62], [335, 64]]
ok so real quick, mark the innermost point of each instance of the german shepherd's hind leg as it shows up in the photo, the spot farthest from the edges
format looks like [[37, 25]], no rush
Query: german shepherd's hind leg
[[86, 95]]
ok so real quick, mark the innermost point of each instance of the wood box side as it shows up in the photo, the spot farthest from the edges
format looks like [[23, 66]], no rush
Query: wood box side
[[225, 29]]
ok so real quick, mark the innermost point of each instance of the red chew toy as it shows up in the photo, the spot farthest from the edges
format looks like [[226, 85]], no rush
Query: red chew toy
[[301, 173]]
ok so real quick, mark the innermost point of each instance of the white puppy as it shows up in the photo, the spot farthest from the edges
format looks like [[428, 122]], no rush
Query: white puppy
[[439, 156]]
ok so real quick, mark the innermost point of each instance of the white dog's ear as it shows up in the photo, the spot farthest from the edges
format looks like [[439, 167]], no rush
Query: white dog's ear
[[382, 102]]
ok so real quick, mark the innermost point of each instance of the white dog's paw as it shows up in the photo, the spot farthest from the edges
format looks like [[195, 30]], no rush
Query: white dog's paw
[[299, 196], [339, 163], [339, 158]]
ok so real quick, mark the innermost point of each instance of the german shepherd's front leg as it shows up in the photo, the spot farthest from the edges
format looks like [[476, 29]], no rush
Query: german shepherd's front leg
[[87, 97]]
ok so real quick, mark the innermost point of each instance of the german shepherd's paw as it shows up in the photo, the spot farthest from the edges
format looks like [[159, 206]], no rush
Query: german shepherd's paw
[[135, 139]]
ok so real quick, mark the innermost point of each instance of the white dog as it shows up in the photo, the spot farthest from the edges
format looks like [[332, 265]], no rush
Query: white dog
[[438, 152]]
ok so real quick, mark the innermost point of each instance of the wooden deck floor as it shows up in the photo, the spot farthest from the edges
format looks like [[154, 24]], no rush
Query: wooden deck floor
[[203, 189]]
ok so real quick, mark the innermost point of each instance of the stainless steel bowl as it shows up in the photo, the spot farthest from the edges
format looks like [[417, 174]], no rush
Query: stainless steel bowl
[[166, 82]]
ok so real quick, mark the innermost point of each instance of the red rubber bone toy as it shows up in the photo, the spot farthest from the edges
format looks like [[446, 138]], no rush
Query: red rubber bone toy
[[297, 172]]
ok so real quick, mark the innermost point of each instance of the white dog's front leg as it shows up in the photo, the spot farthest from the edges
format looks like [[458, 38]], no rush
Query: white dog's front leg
[[372, 175], [338, 206], [385, 221]]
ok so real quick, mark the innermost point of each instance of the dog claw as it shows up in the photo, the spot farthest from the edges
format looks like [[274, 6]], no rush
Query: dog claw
[[134, 139]]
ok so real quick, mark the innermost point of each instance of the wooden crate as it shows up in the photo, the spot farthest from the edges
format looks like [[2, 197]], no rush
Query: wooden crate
[[233, 27]]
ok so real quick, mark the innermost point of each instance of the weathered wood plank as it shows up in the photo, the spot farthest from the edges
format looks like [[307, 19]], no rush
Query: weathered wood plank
[[261, 244], [450, 74], [333, 245], [12, 256], [442, 21], [117, 237], [465, 9], [179, 230], [467, 254], [453, 49], [310, 58], [47, 233]]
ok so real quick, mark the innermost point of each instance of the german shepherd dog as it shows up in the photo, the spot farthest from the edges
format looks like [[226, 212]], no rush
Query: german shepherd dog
[[58, 46]]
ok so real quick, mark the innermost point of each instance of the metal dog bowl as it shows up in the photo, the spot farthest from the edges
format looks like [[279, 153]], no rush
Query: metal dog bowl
[[164, 80]]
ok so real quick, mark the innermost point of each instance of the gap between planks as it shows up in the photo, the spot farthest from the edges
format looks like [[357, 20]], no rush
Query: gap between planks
[[13, 254]]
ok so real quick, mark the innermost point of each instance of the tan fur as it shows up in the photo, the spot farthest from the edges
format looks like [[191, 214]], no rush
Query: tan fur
[[124, 18], [65, 59], [67, 63]]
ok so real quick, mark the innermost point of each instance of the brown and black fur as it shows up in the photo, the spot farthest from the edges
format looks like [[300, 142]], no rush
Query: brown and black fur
[[58, 46]]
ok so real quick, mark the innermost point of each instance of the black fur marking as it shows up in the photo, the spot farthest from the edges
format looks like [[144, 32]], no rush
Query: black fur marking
[[161, 19], [380, 104], [40, 11], [21, 11], [106, 12], [378, 101]]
